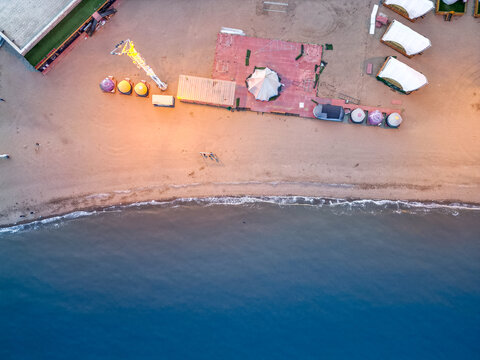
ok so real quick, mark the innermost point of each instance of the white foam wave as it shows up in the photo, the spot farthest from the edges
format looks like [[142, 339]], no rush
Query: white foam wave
[[142, 203], [310, 201], [51, 220], [344, 205]]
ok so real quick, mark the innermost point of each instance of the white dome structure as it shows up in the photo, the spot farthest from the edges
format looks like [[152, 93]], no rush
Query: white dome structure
[[264, 84]]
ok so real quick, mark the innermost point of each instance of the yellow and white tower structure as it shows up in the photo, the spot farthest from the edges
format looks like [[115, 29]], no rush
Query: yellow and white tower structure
[[127, 47]]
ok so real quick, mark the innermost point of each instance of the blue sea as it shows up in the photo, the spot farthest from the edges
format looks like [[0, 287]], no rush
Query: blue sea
[[244, 278]]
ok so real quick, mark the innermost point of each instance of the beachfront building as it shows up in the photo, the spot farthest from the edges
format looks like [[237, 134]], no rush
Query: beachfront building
[[41, 30]]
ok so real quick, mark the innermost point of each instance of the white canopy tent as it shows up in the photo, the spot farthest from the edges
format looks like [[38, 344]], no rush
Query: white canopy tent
[[401, 35], [414, 8], [449, 2], [400, 75], [263, 84]]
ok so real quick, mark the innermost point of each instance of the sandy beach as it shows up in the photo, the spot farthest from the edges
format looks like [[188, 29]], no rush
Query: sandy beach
[[100, 149]]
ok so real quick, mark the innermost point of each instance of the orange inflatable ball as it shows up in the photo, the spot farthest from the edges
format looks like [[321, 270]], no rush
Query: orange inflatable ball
[[141, 89], [124, 87]]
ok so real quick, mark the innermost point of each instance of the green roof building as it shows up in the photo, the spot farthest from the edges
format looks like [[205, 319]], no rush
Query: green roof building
[[41, 30]]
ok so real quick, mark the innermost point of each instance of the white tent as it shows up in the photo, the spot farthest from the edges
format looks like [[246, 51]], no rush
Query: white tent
[[411, 41], [263, 84], [449, 2], [414, 8], [401, 75]]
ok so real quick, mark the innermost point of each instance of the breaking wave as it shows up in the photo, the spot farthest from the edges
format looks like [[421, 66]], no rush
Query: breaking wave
[[338, 206]]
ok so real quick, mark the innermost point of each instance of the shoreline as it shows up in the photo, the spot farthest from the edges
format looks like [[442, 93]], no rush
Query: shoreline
[[264, 192], [98, 150]]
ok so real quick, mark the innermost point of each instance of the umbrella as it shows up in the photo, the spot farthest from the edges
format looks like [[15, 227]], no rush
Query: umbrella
[[357, 115], [107, 85], [263, 84], [394, 120], [375, 118]]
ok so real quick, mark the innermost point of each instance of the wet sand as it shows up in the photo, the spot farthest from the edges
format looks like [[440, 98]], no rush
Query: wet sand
[[100, 149]]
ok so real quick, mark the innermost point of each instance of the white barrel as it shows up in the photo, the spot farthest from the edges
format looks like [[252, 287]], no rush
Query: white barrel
[[394, 120], [357, 116]]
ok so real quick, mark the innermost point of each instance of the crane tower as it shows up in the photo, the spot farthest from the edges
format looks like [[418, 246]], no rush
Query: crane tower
[[129, 49]]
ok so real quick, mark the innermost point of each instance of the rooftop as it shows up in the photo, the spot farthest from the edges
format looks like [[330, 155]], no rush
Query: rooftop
[[23, 23]]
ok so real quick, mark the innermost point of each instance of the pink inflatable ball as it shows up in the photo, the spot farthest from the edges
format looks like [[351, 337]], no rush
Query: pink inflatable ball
[[375, 118], [107, 85]]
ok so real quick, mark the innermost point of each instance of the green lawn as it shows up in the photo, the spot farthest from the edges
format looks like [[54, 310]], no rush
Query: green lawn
[[63, 30], [458, 7]]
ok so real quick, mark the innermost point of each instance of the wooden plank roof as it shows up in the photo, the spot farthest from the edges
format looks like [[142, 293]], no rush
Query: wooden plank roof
[[206, 91]]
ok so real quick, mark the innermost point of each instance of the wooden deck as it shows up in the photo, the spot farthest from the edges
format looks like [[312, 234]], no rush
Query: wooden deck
[[206, 91]]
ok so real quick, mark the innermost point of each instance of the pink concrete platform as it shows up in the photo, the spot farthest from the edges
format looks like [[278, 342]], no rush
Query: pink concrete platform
[[298, 76]]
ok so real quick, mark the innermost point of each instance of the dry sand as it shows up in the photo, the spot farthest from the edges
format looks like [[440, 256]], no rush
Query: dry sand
[[99, 149]]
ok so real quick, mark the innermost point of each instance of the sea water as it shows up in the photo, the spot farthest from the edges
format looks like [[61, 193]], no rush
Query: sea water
[[283, 278]]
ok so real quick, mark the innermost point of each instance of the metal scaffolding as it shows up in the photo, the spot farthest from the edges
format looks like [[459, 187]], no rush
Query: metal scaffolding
[[129, 49]]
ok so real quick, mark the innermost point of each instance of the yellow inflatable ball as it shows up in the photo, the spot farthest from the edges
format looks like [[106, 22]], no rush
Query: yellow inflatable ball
[[141, 89], [124, 87]]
